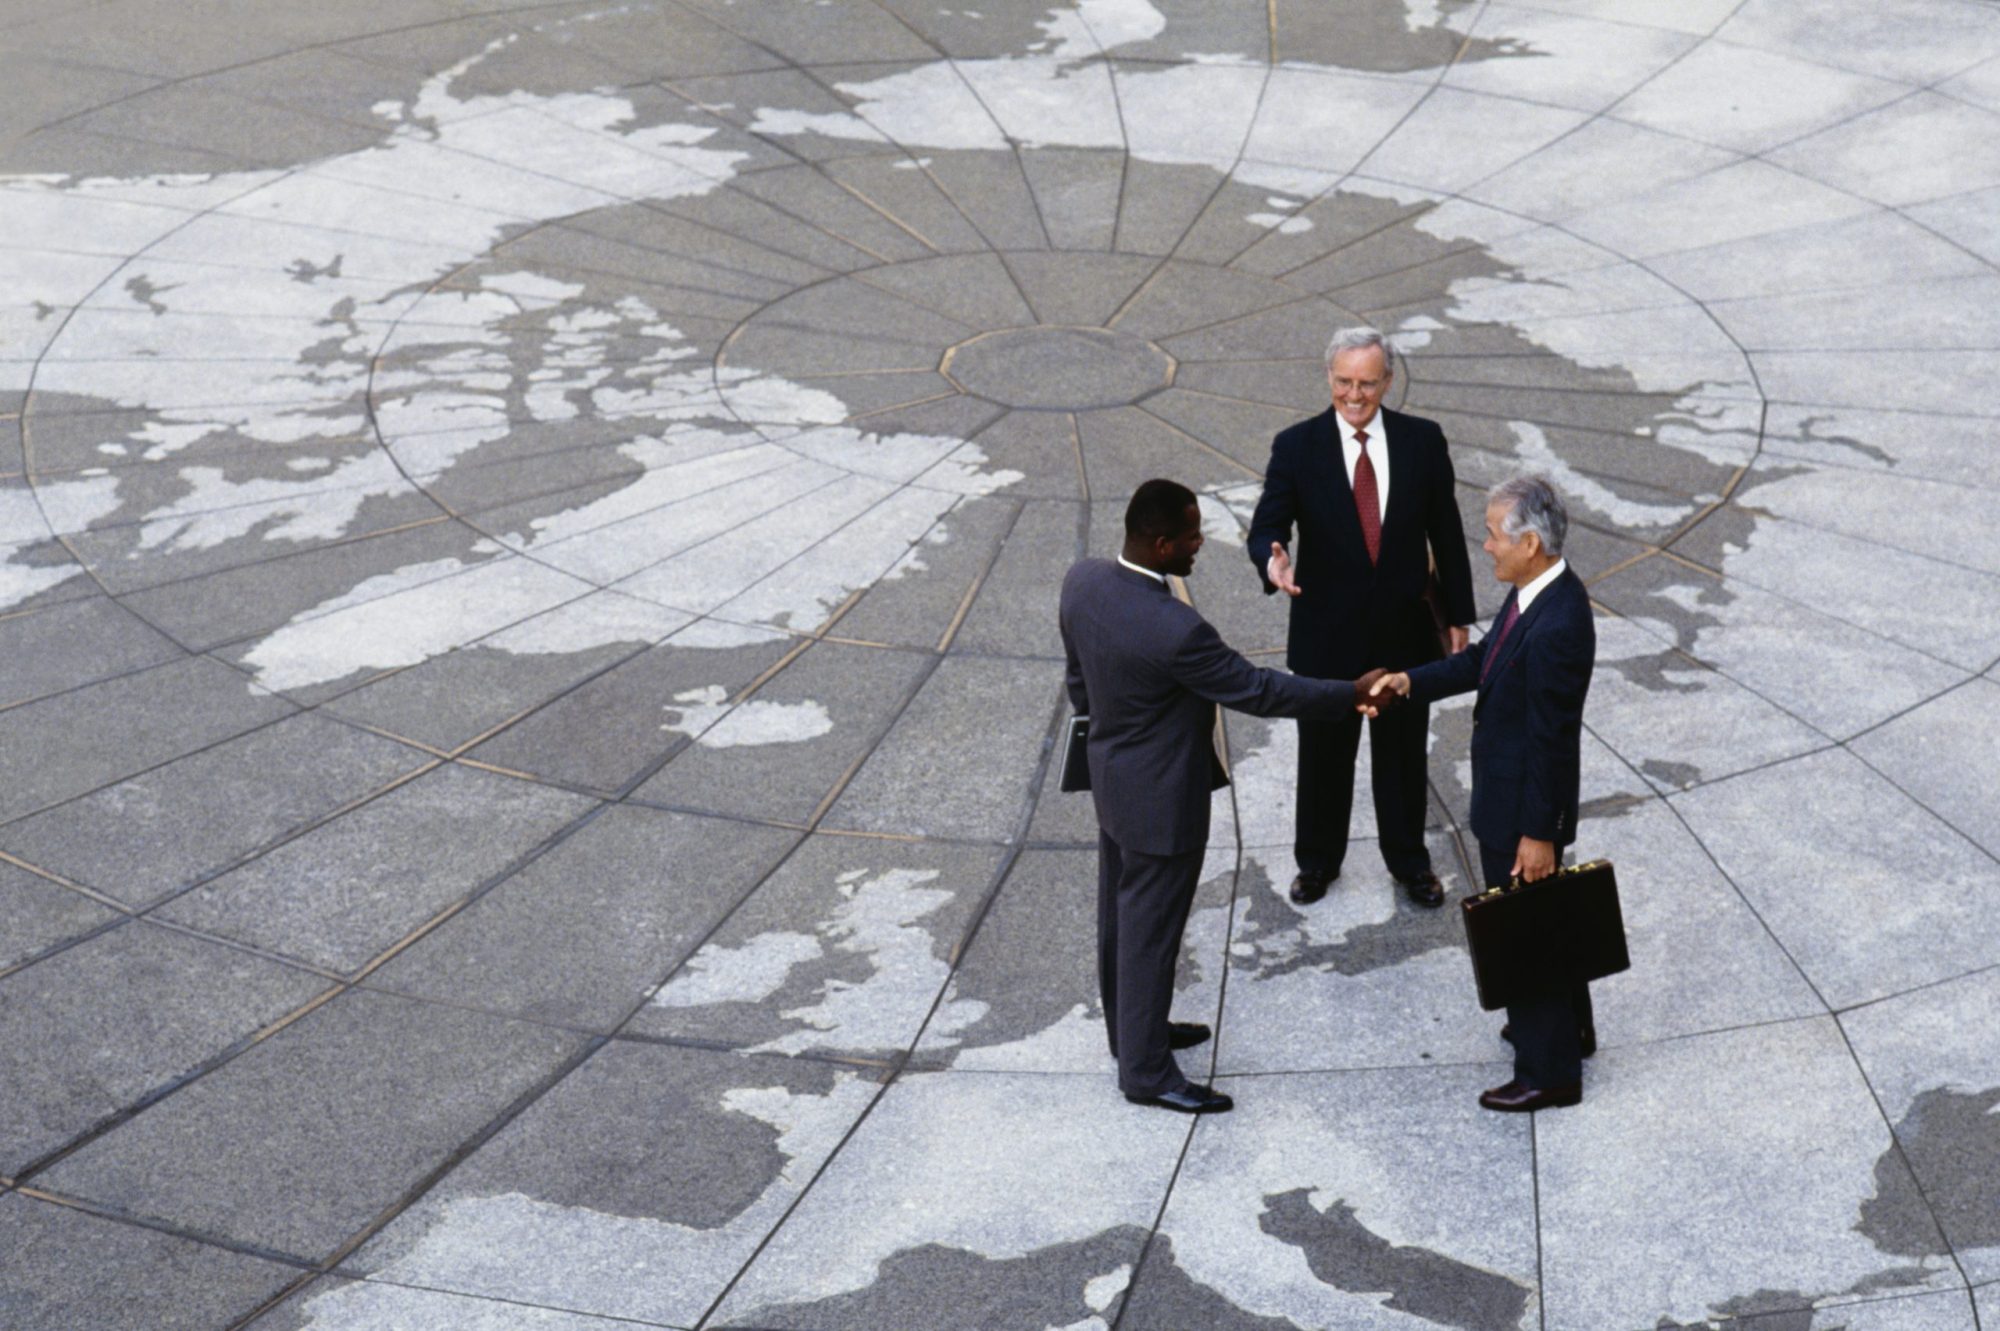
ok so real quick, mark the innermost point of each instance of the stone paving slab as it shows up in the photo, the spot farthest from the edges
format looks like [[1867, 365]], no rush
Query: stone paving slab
[[112, 638], [1918, 932], [100, 734], [614, 908], [1047, 1161], [1709, 1239], [843, 950], [1702, 958], [968, 706], [120, 1018], [781, 753], [148, 835], [1929, 1064], [588, 737], [340, 1115], [1363, 1199], [1935, 754], [41, 915], [367, 1305], [449, 701], [1310, 986], [339, 895], [1730, 628], [589, 1202], [64, 1267], [207, 610]]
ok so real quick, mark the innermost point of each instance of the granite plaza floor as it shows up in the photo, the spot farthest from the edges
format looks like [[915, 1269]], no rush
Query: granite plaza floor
[[528, 537]]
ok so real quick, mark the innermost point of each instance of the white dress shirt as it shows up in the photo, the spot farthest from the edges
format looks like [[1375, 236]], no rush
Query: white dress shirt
[[1377, 454], [1527, 594], [1160, 578]]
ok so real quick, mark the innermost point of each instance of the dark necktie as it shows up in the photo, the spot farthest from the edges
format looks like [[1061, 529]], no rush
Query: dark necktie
[[1367, 505], [1506, 626]]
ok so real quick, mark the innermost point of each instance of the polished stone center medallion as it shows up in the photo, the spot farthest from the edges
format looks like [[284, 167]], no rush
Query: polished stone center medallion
[[1059, 369]]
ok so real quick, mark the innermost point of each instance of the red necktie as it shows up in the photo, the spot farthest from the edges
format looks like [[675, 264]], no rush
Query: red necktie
[[1493, 648], [1367, 506]]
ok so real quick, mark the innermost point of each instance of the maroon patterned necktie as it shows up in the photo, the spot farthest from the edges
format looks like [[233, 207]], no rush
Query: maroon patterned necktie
[[1367, 504], [1506, 626]]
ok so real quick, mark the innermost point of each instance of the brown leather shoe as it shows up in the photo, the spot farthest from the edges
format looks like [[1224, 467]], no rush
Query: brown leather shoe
[[1586, 1039], [1424, 889], [1309, 887], [1517, 1097]]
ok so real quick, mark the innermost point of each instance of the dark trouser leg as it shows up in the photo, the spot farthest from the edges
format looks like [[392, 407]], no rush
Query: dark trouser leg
[[1547, 1050], [1398, 766], [1326, 793], [1154, 893], [1109, 867]]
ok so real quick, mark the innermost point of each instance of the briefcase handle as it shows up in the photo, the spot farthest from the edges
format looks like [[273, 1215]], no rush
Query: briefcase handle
[[1515, 884]]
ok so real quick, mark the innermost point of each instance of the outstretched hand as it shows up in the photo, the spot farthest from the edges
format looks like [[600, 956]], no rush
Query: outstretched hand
[[1279, 570]]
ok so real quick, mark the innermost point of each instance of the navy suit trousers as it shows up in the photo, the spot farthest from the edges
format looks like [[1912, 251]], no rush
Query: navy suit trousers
[[1547, 1026]]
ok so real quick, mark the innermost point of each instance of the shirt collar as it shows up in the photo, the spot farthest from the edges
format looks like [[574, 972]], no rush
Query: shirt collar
[[1535, 588], [1160, 578], [1374, 428]]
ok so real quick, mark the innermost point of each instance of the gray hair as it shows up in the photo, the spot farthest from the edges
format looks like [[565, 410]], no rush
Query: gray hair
[[1357, 338], [1533, 505]]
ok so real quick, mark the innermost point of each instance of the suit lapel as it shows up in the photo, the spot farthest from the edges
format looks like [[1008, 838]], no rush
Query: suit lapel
[[1512, 647], [1402, 511], [1500, 653]]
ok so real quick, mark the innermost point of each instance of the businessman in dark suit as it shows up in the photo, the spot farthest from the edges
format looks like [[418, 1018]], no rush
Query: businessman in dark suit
[[1148, 672], [1531, 672], [1371, 493]]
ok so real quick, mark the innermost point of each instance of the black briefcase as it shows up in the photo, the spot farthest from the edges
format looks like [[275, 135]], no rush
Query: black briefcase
[[1074, 773], [1525, 937]]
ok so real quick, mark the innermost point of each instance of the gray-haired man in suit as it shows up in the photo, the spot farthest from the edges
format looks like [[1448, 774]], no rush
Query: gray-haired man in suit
[[1531, 673], [1148, 672]]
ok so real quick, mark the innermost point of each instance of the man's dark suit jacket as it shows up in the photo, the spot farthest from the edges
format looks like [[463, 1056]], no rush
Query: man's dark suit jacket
[[1353, 616], [1148, 671], [1528, 723]]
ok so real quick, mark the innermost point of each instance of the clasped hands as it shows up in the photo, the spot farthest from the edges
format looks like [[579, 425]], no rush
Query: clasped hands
[[1379, 690]]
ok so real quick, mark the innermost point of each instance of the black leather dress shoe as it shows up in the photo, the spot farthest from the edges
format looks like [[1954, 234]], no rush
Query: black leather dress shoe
[[1309, 887], [1424, 889], [1189, 1099], [1517, 1097], [1586, 1039], [1186, 1034]]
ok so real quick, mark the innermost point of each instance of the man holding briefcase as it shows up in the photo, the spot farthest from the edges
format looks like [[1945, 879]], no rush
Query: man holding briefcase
[[1531, 673]]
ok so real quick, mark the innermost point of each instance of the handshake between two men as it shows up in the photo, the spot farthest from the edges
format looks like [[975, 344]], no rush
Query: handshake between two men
[[1380, 691]]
